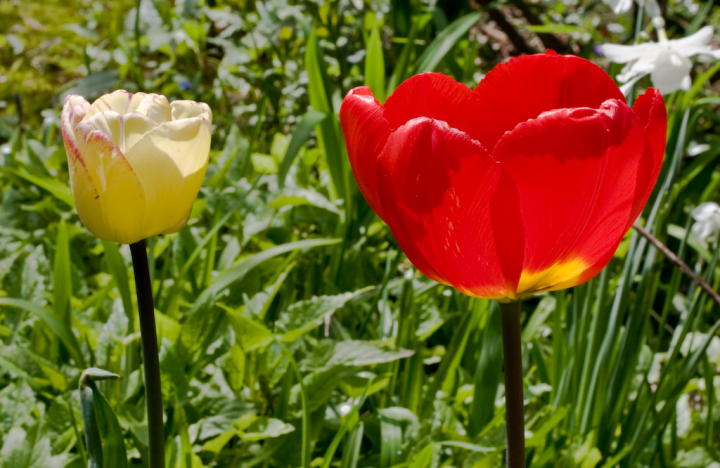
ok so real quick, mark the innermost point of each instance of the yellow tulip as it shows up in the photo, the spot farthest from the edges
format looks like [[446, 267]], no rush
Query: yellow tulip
[[136, 162]]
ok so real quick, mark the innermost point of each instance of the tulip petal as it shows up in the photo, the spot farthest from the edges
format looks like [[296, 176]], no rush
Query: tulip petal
[[85, 194], [446, 222], [366, 131], [189, 109], [650, 108], [118, 102], [576, 170], [170, 160], [155, 107], [525, 87], [119, 191], [432, 95]]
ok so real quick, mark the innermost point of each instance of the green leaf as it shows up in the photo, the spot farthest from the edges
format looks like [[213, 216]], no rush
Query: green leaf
[[266, 428], [103, 436], [249, 334], [556, 29], [550, 424], [54, 186], [487, 373], [375, 65], [264, 163], [299, 136], [391, 446], [445, 41], [424, 458], [53, 323], [365, 353], [62, 286], [234, 367], [304, 316], [300, 196], [329, 134], [116, 265], [238, 272], [351, 451]]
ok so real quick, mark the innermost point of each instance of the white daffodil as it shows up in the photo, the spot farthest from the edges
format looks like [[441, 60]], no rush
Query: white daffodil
[[707, 220], [621, 6], [667, 62]]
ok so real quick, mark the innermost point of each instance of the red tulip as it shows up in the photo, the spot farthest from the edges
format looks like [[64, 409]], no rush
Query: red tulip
[[526, 183]]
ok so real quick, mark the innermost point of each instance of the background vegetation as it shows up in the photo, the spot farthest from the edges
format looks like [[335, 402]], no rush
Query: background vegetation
[[286, 291]]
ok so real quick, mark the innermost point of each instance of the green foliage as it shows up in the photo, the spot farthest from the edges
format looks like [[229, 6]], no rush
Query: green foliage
[[291, 328]]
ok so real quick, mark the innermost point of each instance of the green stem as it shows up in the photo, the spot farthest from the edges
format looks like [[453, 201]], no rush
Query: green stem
[[305, 407], [512, 359], [151, 362]]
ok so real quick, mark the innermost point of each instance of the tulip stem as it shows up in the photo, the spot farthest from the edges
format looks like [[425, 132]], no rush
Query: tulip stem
[[512, 360], [151, 362]]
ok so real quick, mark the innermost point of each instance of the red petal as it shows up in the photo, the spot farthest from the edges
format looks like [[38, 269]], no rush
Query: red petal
[[366, 132], [650, 108], [523, 88], [431, 95], [576, 170], [447, 203]]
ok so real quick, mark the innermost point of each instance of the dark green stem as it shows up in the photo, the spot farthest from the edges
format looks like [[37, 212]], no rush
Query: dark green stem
[[512, 359], [151, 362]]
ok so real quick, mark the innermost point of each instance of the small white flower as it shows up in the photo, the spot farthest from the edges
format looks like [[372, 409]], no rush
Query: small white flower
[[667, 62], [707, 220], [621, 6]]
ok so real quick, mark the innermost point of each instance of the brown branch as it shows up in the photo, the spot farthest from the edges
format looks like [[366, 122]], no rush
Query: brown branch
[[518, 42], [678, 263]]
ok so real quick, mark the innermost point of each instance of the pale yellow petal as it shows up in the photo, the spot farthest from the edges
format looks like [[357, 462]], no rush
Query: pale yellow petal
[[110, 123], [137, 98], [170, 161], [84, 192], [156, 108], [120, 193], [189, 109], [135, 127], [118, 101]]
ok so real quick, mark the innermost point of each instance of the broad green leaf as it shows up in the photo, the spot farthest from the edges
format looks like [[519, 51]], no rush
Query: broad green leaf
[[53, 323], [264, 163], [550, 424], [329, 134], [300, 196], [305, 316], [250, 334], [488, 373], [238, 272], [116, 265], [103, 436], [391, 447], [375, 65], [266, 428], [62, 287], [299, 136], [234, 367], [55, 187], [445, 41], [365, 353]]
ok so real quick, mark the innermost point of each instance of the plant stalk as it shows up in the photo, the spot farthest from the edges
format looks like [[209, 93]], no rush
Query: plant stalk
[[151, 361], [512, 360]]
